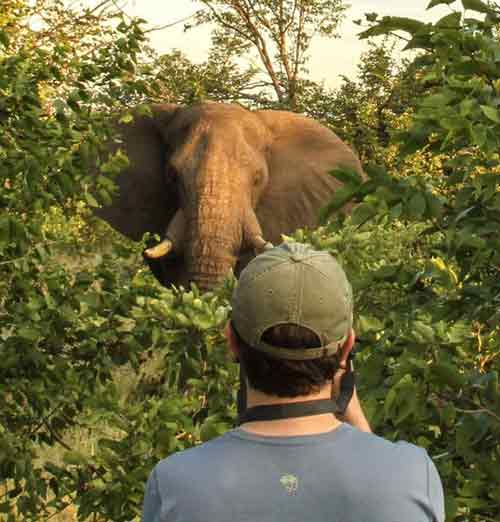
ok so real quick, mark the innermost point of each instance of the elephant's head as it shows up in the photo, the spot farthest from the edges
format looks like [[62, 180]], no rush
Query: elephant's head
[[218, 181]]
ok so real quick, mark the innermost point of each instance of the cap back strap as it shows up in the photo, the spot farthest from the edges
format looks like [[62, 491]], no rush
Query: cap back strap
[[299, 354]]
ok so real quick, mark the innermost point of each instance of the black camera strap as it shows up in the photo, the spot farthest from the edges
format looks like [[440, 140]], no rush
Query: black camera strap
[[335, 405]]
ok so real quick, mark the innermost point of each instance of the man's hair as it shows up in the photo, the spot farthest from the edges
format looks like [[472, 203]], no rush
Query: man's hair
[[284, 377]]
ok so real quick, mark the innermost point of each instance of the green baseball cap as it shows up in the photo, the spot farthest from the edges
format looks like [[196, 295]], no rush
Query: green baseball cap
[[293, 284]]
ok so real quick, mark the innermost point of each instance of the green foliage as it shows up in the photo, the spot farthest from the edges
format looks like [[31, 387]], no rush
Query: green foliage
[[366, 112], [56, 345], [218, 79]]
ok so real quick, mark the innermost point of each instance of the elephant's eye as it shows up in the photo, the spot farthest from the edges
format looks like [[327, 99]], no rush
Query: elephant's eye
[[260, 177]]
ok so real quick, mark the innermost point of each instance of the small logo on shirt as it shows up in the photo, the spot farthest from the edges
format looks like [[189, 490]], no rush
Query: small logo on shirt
[[290, 483]]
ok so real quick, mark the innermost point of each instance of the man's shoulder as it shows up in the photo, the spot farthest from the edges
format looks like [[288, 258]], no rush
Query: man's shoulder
[[381, 443], [374, 446], [348, 441]]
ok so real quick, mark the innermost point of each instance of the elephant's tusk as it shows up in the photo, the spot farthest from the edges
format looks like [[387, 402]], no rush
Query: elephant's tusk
[[260, 244], [160, 250]]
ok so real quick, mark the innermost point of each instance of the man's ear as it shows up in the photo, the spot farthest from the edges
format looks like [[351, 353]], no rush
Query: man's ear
[[232, 341], [346, 349]]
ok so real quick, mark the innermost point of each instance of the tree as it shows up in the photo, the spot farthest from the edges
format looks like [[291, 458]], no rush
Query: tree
[[280, 31], [219, 78], [365, 111]]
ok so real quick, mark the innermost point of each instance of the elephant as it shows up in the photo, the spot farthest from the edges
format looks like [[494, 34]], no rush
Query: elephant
[[218, 182]]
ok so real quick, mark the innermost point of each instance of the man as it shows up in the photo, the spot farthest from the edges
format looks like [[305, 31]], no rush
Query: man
[[291, 458]]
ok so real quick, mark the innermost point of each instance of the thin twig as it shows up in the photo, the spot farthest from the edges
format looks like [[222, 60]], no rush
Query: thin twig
[[483, 518], [57, 437], [171, 24], [481, 410], [98, 6]]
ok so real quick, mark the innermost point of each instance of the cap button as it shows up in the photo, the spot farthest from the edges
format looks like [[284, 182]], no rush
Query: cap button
[[296, 258]]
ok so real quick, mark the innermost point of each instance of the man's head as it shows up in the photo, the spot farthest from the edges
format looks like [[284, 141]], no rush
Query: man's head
[[291, 324]]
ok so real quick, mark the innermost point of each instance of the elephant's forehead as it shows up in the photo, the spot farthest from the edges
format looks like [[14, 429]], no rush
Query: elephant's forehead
[[218, 120]]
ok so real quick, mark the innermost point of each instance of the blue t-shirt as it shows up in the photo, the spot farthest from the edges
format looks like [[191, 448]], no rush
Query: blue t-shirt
[[344, 475]]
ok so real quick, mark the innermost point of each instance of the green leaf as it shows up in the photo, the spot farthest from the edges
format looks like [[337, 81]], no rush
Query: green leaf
[[91, 200], [144, 110], [422, 332], [378, 173], [108, 183], [450, 21], [74, 458], [453, 123], [367, 323], [387, 272], [467, 106], [448, 415], [66, 183], [434, 3], [202, 322], [477, 5], [404, 24], [363, 213], [439, 100], [491, 113], [211, 428], [459, 332], [416, 206], [347, 176], [401, 400], [342, 196], [5, 229], [479, 135], [127, 118], [388, 24], [396, 211], [29, 333], [115, 163], [449, 374], [4, 39], [470, 432], [492, 387], [451, 506], [435, 205], [419, 41], [105, 197], [156, 335]]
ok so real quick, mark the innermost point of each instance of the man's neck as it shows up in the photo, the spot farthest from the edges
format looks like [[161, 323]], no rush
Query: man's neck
[[309, 425]]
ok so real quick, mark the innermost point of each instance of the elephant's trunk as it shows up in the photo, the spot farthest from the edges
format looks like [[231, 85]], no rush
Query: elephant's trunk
[[214, 236]]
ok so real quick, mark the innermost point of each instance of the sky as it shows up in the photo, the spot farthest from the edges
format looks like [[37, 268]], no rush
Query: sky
[[329, 58]]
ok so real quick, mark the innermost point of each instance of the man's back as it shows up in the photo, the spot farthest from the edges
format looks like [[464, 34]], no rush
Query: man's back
[[341, 476]]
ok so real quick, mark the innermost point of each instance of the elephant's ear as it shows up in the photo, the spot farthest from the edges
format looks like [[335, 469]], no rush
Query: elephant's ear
[[300, 155], [147, 198]]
